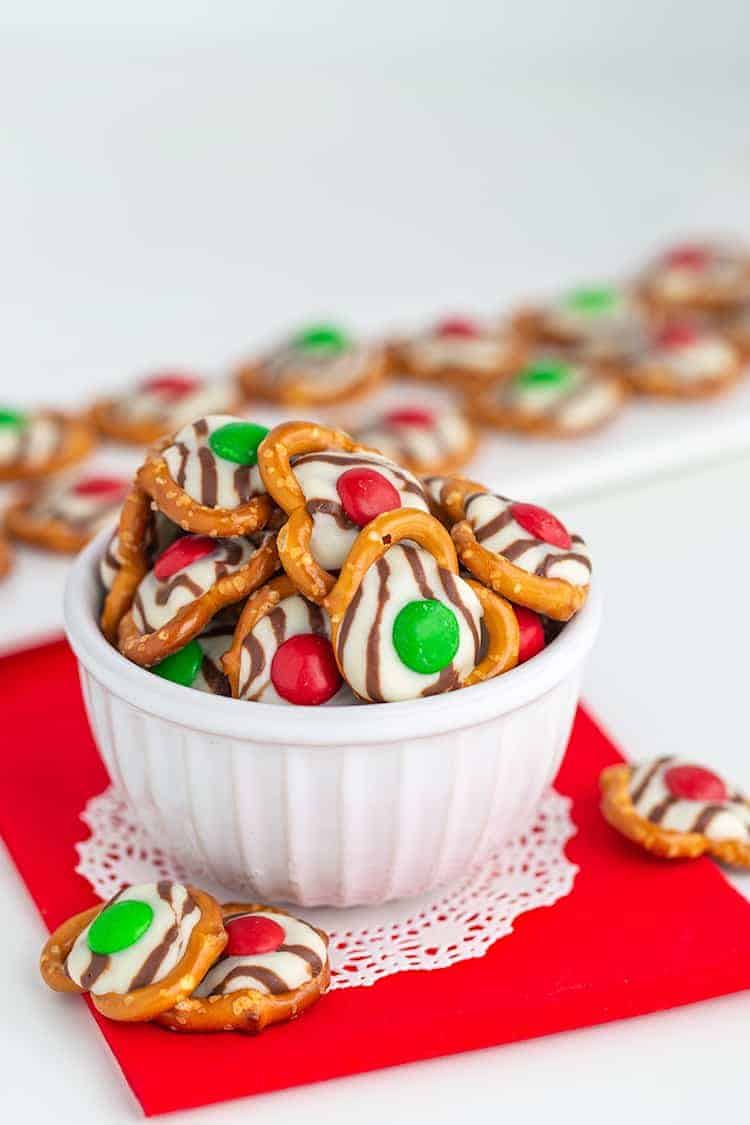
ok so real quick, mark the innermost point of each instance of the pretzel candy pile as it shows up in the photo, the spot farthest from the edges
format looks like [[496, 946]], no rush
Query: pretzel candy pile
[[298, 567], [170, 953]]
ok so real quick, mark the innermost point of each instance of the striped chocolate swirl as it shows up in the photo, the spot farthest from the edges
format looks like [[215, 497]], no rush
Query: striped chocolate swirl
[[209, 479], [652, 799], [299, 958], [335, 371], [583, 399], [156, 602], [495, 528], [153, 956], [161, 407], [447, 436], [365, 648]]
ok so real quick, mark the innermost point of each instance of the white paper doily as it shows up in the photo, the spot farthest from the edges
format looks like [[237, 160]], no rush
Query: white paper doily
[[453, 924]]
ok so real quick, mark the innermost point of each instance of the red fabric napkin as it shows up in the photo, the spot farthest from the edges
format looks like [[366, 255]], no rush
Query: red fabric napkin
[[636, 935]]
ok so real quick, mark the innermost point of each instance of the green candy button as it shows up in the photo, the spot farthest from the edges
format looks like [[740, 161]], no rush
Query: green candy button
[[547, 373], [321, 337], [119, 926], [426, 636], [182, 666], [593, 302], [238, 442], [12, 418]]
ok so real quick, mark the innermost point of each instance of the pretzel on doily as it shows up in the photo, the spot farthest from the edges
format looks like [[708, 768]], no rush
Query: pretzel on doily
[[257, 606], [248, 1009], [177, 505], [554, 597], [204, 945], [136, 523], [78, 439], [150, 648]]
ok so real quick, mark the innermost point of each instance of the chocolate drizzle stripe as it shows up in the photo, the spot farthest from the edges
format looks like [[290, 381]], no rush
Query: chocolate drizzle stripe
[[217, 682], [273, 982], [209, 477], [242, 484], [277, 619], [183, 580], [200, 427], [317, 619], [346, 624], [372, 657], [453, 594], [307, 954], [551, 560], [98, 964], [705, 817], [256, 653], [659, 811], [497, 523], [518, 548], [330, 508], [637, 793], [184, 453], [407, 484]]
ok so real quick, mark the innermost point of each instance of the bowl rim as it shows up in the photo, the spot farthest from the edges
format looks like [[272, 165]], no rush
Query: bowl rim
[[311, 726]]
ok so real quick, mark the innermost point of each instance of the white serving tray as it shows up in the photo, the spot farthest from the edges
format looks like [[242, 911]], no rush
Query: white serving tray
[[649, 437]]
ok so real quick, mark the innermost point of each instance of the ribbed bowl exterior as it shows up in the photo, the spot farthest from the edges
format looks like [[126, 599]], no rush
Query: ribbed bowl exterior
[[332, 825]]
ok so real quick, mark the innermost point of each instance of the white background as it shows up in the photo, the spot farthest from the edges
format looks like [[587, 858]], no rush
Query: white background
[[178, 181]]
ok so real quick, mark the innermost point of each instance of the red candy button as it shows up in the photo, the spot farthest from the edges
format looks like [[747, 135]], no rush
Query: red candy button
[[304, 670], [541, 524], [364, 494], [688, 257], [694, 783], [101, 486], [532, 633], [677, 336], [174, 386], [411, 416], [182, 553], [253, 934], [457, 326]]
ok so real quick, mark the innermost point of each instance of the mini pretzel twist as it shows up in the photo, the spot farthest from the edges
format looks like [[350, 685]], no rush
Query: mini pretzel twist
[[503, 636]]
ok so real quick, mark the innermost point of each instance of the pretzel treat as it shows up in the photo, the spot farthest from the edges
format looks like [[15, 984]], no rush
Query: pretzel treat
[[63, 515], [330, 487], [737, 327], [684, 359], [319, 364], [422, 439], [273, 968], [140, 953], [599, 322], [39, 444], [551, 397], [6, 557], [282, 652], [699, 276], [405, 624], [677, 810], [129, 550], [521, 551], [187, 586], [160, 404], [458, 351], [206, 479]]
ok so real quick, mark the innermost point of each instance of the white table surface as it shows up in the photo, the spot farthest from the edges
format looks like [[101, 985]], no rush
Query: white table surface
[[167, 198]]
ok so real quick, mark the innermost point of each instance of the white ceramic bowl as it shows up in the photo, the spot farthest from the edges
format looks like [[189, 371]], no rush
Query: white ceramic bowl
[[327, 806]]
